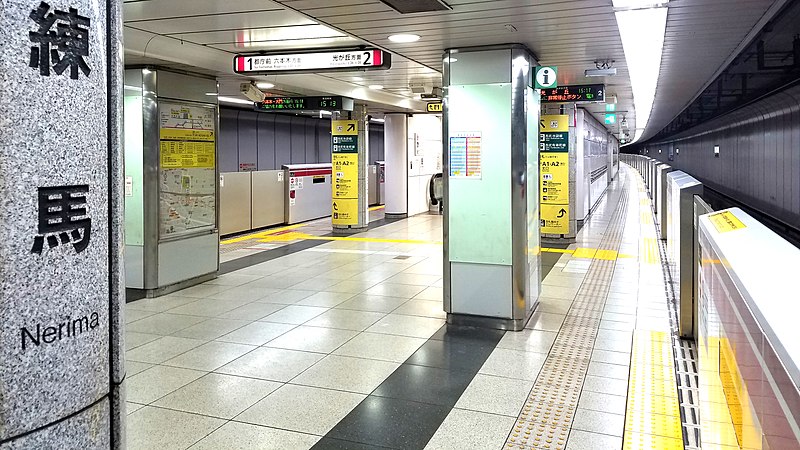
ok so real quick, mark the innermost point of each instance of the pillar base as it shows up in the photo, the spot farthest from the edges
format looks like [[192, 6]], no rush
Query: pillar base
[[349, 230], [495, 323], [395, 215]]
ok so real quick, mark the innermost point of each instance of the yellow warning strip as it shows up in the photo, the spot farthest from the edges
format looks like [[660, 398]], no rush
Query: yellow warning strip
[[279, 235], [261, 235], [303, 236], [375, 208], [652, 417], [648, 251]]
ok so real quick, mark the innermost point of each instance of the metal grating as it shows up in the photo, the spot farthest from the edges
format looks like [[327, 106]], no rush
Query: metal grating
[[685, 356]]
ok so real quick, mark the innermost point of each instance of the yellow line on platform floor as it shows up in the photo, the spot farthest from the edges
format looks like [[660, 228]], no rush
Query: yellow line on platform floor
[[652, 417], [262, 234], [302, 236]]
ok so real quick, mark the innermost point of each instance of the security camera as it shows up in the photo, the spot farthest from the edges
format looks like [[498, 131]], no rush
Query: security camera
[[252, 92]]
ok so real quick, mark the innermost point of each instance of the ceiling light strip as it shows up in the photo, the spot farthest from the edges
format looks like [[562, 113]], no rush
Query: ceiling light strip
[[642, 32]]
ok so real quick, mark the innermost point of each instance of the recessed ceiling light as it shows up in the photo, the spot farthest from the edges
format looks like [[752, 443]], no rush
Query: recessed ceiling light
[[404, 38], [375, 86], [264, 85]]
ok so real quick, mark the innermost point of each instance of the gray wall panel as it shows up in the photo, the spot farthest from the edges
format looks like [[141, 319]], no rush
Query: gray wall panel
[[324, 140], [310, 133], [266, 142], [228, 145], [375, 143], [283, 141], [759, 161], [248, 136], [298, 140], [272, 140]]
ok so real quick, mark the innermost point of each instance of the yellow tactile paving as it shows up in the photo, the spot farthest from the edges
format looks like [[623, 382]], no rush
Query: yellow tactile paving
[[652, 419], [537, 435], [648, 250], [636, 441]]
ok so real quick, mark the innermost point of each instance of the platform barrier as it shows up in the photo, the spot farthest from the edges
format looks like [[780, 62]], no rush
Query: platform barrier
[[250, 200], [308, 192], [748, 337], [661, 198], [681, 189]]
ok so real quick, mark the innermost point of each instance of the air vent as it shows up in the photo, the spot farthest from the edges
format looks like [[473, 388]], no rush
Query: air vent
[[416, 6]]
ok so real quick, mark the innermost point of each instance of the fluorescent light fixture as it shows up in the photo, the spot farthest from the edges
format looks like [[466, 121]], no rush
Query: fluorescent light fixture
[[212, 94], [404, 38], [264, 85], [238, 101], [377, 120], [638, 4], [376, 87], [642, 33], [324, 113]]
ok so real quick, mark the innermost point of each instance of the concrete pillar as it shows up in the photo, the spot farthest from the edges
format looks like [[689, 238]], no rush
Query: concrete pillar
[[395, 147], [61, 288]]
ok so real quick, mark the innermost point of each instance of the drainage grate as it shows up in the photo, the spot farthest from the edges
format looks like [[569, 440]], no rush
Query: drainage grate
[[685, 355]]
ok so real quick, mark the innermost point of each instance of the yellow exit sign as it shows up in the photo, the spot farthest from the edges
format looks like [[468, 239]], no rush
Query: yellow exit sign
[[434, 107]]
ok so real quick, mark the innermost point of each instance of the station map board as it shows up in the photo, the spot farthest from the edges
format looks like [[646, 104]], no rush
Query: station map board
[[344, 157], [187, 168], [465, 154], [554, 174]]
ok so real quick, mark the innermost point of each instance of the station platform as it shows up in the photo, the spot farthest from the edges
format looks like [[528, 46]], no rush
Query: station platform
[[344, 345]]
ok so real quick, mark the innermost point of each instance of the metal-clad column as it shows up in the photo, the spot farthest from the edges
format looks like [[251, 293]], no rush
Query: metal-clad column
[[491, 186], [360, 114]]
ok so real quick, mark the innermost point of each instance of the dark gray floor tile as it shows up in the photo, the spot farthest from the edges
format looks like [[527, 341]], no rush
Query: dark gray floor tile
[[451, 355], [467, 334], [390, 422], [327, 443], [425, 385]]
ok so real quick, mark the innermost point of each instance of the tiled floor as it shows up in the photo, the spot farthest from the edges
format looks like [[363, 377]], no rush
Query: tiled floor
[[343, 346], [252, 243]]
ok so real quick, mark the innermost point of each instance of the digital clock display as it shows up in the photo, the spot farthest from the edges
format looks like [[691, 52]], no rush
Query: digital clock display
[[334, 103], [571, 94]]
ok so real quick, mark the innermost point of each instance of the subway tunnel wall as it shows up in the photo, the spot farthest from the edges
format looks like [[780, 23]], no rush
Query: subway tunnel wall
[[249, 140], [759, 155]]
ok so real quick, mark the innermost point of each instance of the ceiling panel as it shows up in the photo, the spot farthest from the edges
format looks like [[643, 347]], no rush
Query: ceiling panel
[[296, 44], [571, 34], [300, 32], [233, 21], [136, 10]]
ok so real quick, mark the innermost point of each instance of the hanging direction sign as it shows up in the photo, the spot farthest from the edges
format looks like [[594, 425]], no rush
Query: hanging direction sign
[[330, 103], [575, 94], [317, 61]]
